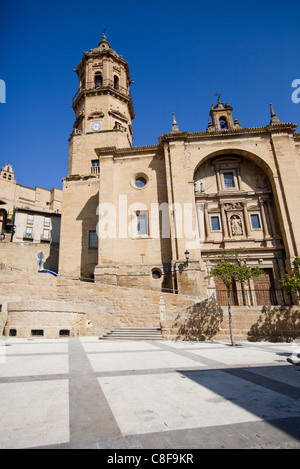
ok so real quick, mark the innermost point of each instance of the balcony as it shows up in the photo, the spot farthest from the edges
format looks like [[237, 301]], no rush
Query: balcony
[[106, 84], [95, 169], [28, 236], [45, 239]]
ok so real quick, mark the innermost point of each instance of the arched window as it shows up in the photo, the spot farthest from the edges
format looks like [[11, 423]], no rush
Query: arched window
[[98, 80], [116, 82]]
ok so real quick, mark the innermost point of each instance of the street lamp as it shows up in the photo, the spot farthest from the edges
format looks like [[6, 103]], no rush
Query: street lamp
[[13, 230], [187, 255]]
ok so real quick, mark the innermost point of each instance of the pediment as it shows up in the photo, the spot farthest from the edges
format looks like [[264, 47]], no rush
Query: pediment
[[118, 114], [96, 115]]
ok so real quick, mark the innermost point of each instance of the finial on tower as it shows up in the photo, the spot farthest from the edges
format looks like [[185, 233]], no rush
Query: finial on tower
[[274, 118], [104, 44], [175, 127], [219, 96]]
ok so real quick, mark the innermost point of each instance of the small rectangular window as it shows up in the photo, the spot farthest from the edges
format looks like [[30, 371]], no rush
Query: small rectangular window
[[255, 221], [142, 223], [215, 223], [47, 221], [30, 219], [46, 234], [93, 240], [64, 332], [29, 231], [95, 167], [12, 332], [37, 332], [228, 180]]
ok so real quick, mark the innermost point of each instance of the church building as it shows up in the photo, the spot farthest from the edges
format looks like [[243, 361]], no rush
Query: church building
[[157, 216]]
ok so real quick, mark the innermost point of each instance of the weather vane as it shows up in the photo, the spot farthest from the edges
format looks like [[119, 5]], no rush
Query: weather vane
[[218, 95], [104, 30]]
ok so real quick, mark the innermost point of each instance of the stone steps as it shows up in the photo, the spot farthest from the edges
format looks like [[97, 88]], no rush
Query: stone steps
[[134, 333]]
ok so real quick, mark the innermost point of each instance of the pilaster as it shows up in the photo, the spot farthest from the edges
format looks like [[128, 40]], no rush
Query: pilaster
[[287, 187]]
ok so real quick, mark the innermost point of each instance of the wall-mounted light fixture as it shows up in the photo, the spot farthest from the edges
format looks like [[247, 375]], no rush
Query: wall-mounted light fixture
[[187, 255]]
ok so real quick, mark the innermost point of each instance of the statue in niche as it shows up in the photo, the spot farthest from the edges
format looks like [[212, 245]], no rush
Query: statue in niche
[[236, 226]]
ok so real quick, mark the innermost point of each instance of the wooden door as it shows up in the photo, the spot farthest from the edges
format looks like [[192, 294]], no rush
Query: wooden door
[[264, 289]]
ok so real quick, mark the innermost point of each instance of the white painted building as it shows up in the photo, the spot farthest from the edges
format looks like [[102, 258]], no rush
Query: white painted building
[[36, 226]]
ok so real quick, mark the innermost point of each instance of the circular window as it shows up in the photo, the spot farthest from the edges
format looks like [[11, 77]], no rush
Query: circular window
[[140, 182], [156, 274]]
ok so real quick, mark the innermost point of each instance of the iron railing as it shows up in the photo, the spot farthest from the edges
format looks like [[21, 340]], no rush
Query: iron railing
[[46, 238], [95, 169], [254, 297], [27, 235], [104, 84]]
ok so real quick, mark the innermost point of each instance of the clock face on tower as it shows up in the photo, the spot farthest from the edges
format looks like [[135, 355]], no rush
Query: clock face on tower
[[96, 126]]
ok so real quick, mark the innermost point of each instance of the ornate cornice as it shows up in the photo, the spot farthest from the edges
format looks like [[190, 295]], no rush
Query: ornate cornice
[[118, 152], [228, 133], [80, 177]]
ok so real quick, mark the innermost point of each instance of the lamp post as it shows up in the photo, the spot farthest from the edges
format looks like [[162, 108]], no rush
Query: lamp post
[[13, 230], [187, 255]]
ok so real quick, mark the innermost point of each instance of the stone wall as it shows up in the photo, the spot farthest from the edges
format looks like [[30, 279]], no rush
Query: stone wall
[[51, 318], [206, 320], [25, 255], [42, 301], [26, 297]]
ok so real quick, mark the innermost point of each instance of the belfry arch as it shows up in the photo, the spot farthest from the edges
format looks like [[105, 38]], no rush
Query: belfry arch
[[237, 210]]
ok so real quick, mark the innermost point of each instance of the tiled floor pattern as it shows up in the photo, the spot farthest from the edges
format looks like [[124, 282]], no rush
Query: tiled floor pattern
[[88, 393]]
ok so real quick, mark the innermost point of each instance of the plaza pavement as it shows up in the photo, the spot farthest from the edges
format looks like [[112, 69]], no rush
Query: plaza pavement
[[89, 393]]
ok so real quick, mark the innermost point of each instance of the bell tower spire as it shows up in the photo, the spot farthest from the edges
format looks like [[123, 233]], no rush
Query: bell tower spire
[[103, 105], [104, 44]]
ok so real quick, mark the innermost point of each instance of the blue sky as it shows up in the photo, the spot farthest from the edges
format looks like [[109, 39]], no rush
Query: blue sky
[[180, 54]]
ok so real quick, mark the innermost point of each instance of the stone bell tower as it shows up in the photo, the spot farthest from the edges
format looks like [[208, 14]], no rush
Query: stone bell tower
[[103, 119], [221, 117], [102, 105]]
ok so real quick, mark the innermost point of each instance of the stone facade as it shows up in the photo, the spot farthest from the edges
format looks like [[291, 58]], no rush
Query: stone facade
[[144, 225], [131, 213]]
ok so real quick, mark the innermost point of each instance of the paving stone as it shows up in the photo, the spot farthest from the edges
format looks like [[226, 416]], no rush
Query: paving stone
[[159, 395]]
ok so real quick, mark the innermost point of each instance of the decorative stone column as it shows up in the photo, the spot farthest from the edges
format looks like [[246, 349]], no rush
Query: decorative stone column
[[162, 310], [224, 221], [272, 221], [207, 227], [246, 219], [202, 230]]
